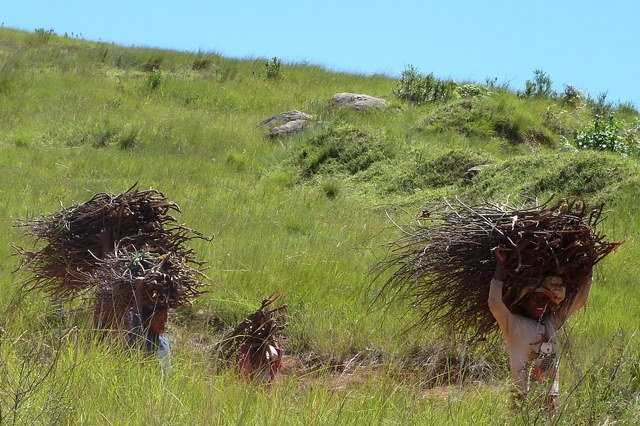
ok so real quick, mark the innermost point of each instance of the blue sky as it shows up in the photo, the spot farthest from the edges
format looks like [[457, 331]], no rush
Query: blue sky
[[593, 45]]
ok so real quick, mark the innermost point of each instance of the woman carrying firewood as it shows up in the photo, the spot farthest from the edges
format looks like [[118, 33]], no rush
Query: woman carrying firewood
[[530, 334]]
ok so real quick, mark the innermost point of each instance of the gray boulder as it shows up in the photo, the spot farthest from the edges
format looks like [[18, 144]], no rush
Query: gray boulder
[[286, 123], [474, 171], [356, 101], [288, 129]]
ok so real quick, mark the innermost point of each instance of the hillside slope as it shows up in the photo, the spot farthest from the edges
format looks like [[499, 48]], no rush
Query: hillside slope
[[306, 216]]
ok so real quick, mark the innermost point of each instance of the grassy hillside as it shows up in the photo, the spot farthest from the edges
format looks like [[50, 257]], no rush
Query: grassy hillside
[[306, 216]]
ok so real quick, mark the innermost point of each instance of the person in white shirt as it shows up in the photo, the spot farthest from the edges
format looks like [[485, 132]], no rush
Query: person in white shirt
[[530, 339]]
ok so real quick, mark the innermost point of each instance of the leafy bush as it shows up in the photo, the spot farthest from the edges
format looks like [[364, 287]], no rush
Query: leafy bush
[[103, 134], [154, 79], [627, 108], [272, 68], [558, 121], [128, 139], [40, 36], [601, 106], [201, 62], [487, 117], [571, 96], [471, 90], [341, 149], [604, 134], [448, 169], [419, 89], [331, 188], [594, 176], [540, 86]]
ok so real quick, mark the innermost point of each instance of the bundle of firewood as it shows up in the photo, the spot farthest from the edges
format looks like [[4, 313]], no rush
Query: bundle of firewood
[[109, 245], [127, 278], [256, 343], [443, 264]]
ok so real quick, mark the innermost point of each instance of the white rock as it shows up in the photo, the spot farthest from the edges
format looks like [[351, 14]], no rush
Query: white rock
[[357, 101], [288, 129]]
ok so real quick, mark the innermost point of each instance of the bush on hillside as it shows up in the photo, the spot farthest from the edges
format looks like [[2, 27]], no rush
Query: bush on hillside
[[600, 105], [571, 96], [486, 118], [604, 134], [419, 89], [272, 68], [588, 175], [40, 36], [341, 149], [470, 90], [627, 108], [540, 86], [128, 138], [451, 168], [201, 62], [154, 79]]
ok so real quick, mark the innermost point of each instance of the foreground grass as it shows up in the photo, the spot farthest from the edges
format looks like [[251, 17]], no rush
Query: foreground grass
[[75, 120]]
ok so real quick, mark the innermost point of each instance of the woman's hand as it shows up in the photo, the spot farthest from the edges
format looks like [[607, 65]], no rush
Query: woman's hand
[[501, 258]]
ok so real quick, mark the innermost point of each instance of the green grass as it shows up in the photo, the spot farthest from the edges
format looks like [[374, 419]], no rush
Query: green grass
[[78, 117]]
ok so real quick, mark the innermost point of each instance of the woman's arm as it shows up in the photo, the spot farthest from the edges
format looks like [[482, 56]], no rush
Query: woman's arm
[[578, 302], [497, 307], [583, 294]]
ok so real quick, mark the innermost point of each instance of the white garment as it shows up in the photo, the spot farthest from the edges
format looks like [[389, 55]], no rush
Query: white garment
[[527, 340]]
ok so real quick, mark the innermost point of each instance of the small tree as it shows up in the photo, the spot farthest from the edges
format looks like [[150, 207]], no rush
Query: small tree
[[540, 86], [419, 88], [272, 68]]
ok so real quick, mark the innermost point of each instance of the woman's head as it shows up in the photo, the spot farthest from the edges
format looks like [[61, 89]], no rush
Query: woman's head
[[547, 297]]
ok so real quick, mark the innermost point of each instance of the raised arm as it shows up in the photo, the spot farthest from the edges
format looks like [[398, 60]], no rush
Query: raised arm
[[582, 296], [497, 307]]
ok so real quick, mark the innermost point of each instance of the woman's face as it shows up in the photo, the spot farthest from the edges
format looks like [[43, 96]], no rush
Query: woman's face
[[536, 305]]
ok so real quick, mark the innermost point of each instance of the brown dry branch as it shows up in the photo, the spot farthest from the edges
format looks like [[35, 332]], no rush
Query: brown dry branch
[[443, 264], [129, 278], [251, 341], [77, 236]]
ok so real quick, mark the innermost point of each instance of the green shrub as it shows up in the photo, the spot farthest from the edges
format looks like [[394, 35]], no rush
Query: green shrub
[[331, 188], [419, 89], [604, 134], [627, 108], [571, 96], [471, 90], [128, 139], [341, 149], [272, 68], [588, 175], [201, 62], [40, 36], [237, 161], [540, 86], [154, 79], [447, 169], [600, 105], [486, 118]]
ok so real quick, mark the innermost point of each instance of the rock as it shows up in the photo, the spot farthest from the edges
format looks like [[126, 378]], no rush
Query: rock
[[357, 101], [285, 117], [288, 129], [287, 123], [472, 172]]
